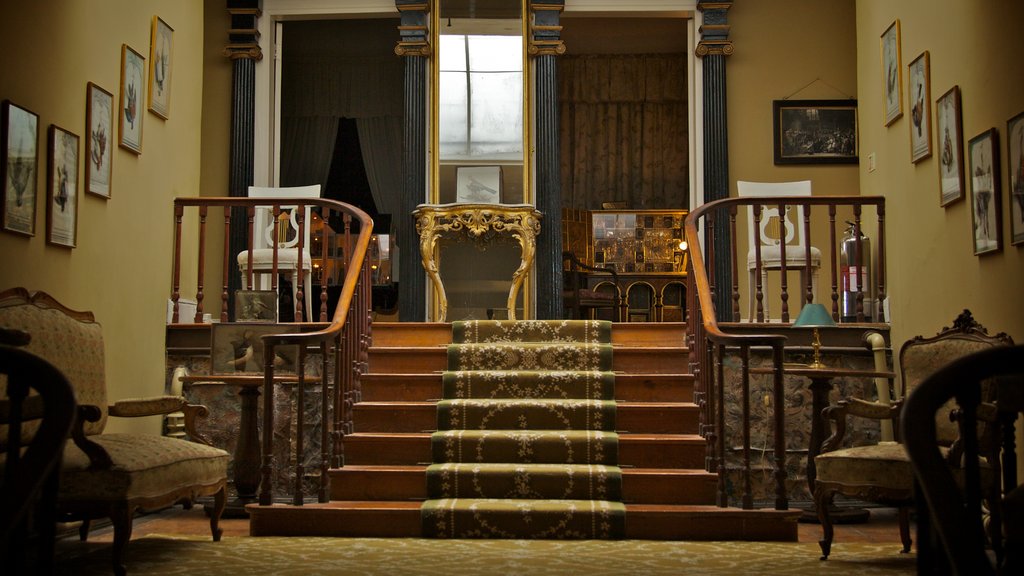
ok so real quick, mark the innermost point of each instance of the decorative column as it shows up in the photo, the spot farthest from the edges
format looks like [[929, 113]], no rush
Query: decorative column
[[545, 45], [414, 46], [713, 47], [244, 51]]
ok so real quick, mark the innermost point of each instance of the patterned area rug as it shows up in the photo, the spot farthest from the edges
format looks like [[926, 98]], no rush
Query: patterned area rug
[[245, 556], [525, 446]]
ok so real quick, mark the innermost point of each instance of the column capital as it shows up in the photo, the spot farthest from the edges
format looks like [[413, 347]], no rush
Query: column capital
[[714, 31], [243, 36], [545, 29], [414, 30]]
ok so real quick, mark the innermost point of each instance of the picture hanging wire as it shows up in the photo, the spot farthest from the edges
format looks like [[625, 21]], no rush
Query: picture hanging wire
[[815, 81]]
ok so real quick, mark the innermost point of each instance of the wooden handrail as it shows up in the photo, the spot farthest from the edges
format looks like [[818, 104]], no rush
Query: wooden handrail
[[347, 330], [709, 342]]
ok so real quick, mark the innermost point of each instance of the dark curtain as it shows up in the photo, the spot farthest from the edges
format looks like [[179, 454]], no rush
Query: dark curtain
[[624, 131]]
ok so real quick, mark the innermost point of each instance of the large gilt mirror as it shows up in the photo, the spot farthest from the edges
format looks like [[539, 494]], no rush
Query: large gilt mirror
[[479, 146]]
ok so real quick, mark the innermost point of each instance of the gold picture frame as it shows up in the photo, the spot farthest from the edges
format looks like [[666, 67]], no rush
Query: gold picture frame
[[986, 204], [19, 168], [919, 95], [99, 140], [62, 187], [161, 58], [950, 130], [892, 73]]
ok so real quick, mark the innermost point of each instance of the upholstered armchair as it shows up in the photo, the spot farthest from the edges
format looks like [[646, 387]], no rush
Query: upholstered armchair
[[883, 473]]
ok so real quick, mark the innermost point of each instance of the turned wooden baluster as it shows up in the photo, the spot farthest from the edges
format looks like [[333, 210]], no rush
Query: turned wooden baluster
[[300, 292], [202, 265], [325, 267], [758, 284], [325, 426], [735, 267], [808, 279], [834, 255], [783, 264], [179, 211], [225, 291], [300, 424], [880, 303]]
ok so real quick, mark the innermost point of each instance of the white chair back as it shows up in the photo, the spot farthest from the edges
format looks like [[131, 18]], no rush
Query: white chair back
[[772, 224], [268, 230]]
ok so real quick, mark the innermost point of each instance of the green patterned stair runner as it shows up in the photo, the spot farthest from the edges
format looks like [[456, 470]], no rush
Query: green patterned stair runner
[[525, 446]]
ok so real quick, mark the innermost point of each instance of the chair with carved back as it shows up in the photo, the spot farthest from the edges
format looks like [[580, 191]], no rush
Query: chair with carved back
[[37, 411], [882, 473], [578, 298], [284, 232], [766, 230], [970, 505]]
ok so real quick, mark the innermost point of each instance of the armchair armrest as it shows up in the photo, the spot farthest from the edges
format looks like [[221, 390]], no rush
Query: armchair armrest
[[159, 405], [835, 417], [98, 457]]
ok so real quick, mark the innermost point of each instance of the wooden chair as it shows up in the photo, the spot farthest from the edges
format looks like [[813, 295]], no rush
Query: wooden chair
[[35, 428], [882, 473], [953, 487], [580, 301], [267, 231]]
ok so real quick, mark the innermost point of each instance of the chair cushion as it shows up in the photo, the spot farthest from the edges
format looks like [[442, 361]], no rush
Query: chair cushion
[[263, 259], [144, 466], [886, 465], [794, 257]]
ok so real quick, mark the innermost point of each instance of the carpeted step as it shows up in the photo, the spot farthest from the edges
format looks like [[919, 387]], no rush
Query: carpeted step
[[561, 481], [529, 414], [508, 518], [530, 356], [526, 446], [583, 331], [565, 384]]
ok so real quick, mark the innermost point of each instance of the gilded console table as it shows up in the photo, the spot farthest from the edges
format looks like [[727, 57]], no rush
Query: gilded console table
[[481, 223]]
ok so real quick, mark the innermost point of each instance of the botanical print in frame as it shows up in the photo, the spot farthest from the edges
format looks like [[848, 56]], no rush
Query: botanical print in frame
[[1015, 155], [986, 215], [892, 75], [99, 140], [133, 97], [62, 188], [20, 168], [160, 59], [920, 95], [949, 128]]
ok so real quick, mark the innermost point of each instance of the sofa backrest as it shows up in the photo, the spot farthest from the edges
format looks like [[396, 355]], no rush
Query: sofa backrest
[[70, 340]]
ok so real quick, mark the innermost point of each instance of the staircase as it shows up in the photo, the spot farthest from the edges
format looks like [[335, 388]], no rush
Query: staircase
[[667, 493]]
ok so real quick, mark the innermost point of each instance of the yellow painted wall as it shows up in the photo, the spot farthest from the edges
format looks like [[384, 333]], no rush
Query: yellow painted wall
[[932, 272], [49, 50]]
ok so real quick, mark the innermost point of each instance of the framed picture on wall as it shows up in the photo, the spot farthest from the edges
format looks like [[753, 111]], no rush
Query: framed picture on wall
[[815, 131], [161, 56], [949, 130], [986, 213], [19, 154], [920, 96], [892, 76], [99, 139], [1015, 170], [62, 188], [133, 98]]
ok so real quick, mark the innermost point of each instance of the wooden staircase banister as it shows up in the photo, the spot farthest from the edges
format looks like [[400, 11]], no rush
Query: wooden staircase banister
[[709, 341]]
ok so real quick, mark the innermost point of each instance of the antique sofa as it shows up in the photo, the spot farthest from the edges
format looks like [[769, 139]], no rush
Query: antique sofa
[[113, 475]]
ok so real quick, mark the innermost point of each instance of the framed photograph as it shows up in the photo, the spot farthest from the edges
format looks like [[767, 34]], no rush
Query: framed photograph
[[919, 84], [133, 97], [256, 306], [815, 131], [949, 128], [161, 56], [478, 184], [1015, 157], [986, 213], [892, 75], [20, 168], [62, 188], [99, 141], [238, 348]]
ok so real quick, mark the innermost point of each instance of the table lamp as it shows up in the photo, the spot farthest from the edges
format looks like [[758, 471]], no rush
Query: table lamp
[[814, 316]]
